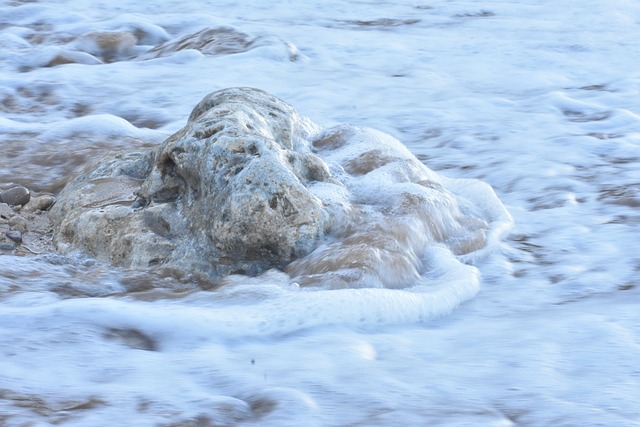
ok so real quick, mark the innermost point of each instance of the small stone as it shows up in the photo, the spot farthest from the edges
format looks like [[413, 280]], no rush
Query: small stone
[[14, 235], [15, 196], [18, 223], [7, 245], [5, 213], [40, 203]]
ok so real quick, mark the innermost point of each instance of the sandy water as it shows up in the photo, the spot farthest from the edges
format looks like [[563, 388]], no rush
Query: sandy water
[[538, 100]]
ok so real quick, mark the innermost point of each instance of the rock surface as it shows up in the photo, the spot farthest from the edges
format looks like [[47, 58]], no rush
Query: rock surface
[[248, 185]]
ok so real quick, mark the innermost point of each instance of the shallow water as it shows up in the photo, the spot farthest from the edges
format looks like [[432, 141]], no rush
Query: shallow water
[[540, 101]]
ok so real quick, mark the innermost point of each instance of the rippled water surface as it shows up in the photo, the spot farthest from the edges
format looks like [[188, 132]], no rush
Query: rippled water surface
[[539, 100]]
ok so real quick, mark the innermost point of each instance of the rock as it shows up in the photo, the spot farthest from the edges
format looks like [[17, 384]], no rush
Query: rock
[[40, 203], [110, 46], [133, 338], [65, 56], [229, 193], [210, 41], [18, 223], [223, 41], [15, 196], [5, 212], [14, 235], [7, 245], [248, 185]]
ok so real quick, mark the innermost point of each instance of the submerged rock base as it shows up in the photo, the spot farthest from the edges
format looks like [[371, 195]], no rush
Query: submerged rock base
[[249, 185]]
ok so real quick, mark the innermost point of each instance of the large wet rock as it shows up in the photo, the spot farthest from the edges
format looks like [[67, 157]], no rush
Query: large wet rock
[[223, 41], [229, 193], [248, 185]]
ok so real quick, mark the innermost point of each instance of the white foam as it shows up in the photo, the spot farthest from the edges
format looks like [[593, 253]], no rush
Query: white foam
[[99, 125]]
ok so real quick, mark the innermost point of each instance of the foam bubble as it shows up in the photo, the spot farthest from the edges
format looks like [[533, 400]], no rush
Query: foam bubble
[[393, 212]]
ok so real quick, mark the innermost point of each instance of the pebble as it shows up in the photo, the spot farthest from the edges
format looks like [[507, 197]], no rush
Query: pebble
[[14, 196], [40, 203], [7, 246], [18, 223], [5, 212], [14, 235]]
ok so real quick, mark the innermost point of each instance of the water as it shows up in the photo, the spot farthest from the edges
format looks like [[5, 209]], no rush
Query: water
[[538, 100]]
